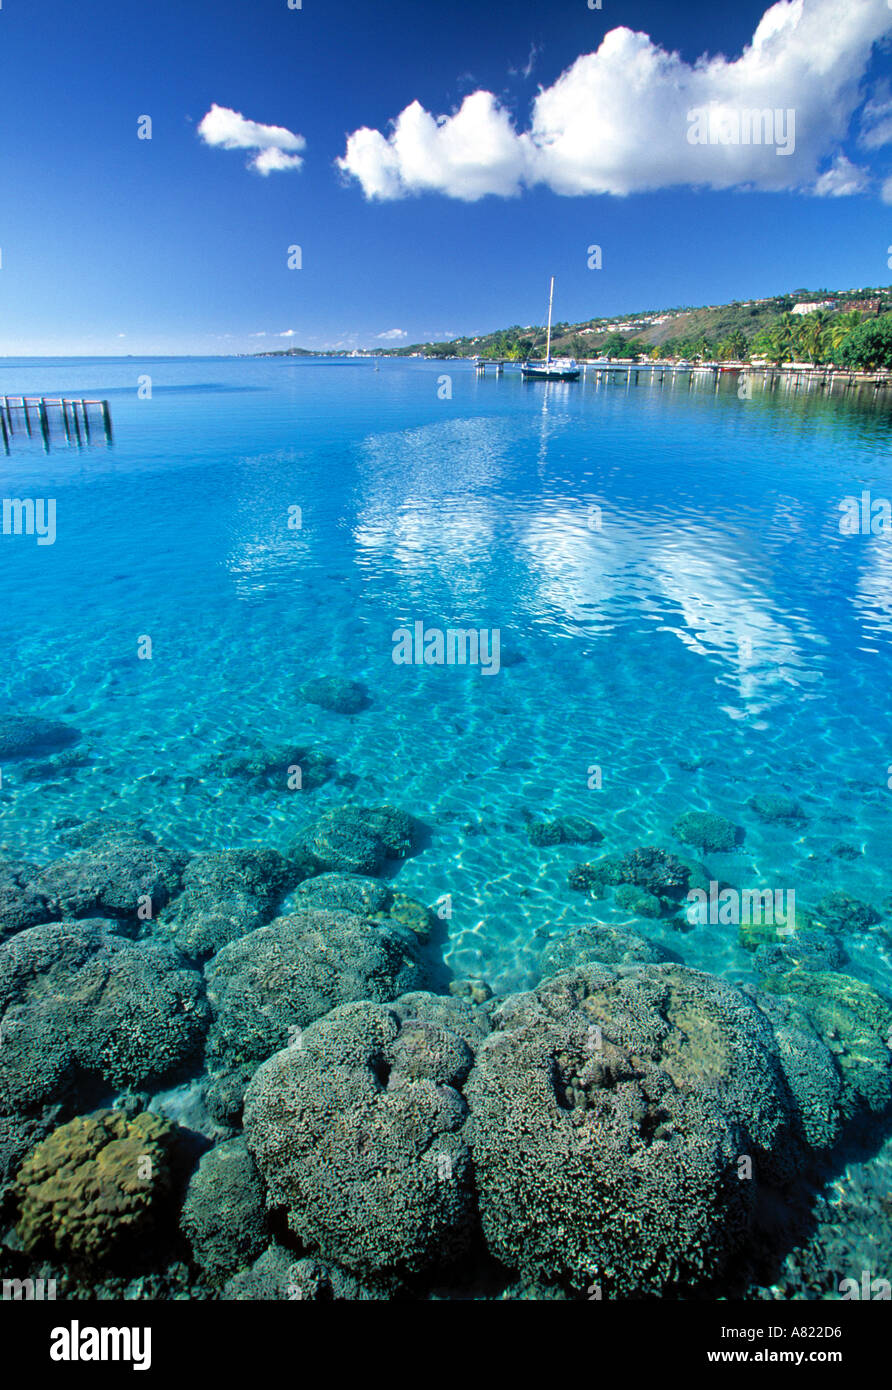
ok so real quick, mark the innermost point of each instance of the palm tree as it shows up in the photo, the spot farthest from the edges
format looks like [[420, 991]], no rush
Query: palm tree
[[777, 341], [839, 329], [810, 336]]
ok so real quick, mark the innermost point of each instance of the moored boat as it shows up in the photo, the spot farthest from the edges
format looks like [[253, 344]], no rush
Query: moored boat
[[553, 368]]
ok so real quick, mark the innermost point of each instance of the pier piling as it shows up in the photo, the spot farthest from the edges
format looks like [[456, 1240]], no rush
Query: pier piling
[[73, 419]]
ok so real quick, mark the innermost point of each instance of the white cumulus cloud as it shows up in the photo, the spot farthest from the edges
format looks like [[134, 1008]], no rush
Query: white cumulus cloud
[[393, 333], [274, 147], [842, 179], [619, 120]]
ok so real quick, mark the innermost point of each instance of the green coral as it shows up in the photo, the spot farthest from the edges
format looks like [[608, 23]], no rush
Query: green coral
[[769, 927], [93, 1184], [854, 1022]]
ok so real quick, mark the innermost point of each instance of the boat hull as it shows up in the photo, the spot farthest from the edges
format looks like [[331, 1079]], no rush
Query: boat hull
[[550, 374]]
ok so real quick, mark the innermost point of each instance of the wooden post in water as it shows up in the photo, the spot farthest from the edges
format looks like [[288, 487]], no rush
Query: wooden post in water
[[8, 414], [44, 425], [77, 423], [86, 421], [106, 422], [5, 434], [27, 416]]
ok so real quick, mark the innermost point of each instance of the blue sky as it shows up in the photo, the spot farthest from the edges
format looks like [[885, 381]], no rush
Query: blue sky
[[111, 244]]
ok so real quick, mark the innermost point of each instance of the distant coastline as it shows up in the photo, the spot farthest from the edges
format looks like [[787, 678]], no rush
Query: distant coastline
[[849, 329]]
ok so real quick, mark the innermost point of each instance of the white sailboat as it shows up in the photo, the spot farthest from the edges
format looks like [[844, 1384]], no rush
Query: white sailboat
[[553, 368]]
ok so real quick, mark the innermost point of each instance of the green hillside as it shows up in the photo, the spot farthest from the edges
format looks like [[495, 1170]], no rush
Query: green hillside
[[736, 331]]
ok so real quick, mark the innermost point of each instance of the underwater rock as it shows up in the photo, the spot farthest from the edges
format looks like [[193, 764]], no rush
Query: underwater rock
[[78, 1002], [609, 1111], [29, 736], [358, 1135], [115, 875], [21, 905], [566, 830], [597, 941], [840, 912], [334, 693], [224, 1213], [93, 1185], [267, 986], [357, 839], [772, 806], [708, 832], [853, 1022], [396, 829], [226, 894], [280, 767]]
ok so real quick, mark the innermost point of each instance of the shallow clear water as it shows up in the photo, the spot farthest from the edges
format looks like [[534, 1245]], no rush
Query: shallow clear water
[[714, 638]]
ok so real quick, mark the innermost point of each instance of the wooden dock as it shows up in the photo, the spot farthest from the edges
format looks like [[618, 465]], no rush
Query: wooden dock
[[798, 378], [81, 421]]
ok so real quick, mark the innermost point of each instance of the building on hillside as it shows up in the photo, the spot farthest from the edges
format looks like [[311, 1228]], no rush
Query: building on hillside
[[812, 307], [864, 306]]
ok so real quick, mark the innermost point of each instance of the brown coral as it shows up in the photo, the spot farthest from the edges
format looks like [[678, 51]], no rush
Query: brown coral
[[93, 1183]]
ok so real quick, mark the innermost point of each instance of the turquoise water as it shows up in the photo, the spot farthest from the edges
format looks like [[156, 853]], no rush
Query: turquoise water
[[713, 638]]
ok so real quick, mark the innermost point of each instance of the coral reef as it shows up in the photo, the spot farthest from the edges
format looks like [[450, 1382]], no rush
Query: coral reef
[[281, 977], [336, 693], [840, 912], [812, 950], [225, 895], [77, 1003], [648, 882], [118, 874], [278, 1274], [224, 1213], [366, 897], [598, 941], [774, 807], [708, 832], [93, 1185], [357, 839], [29, 736], [566, 830], [272, 767], [358, 1135], [854, 1023], [610, 1110], [21, 904]]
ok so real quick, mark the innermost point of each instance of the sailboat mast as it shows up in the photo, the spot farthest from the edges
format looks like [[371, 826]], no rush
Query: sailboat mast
[[550, 302]]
